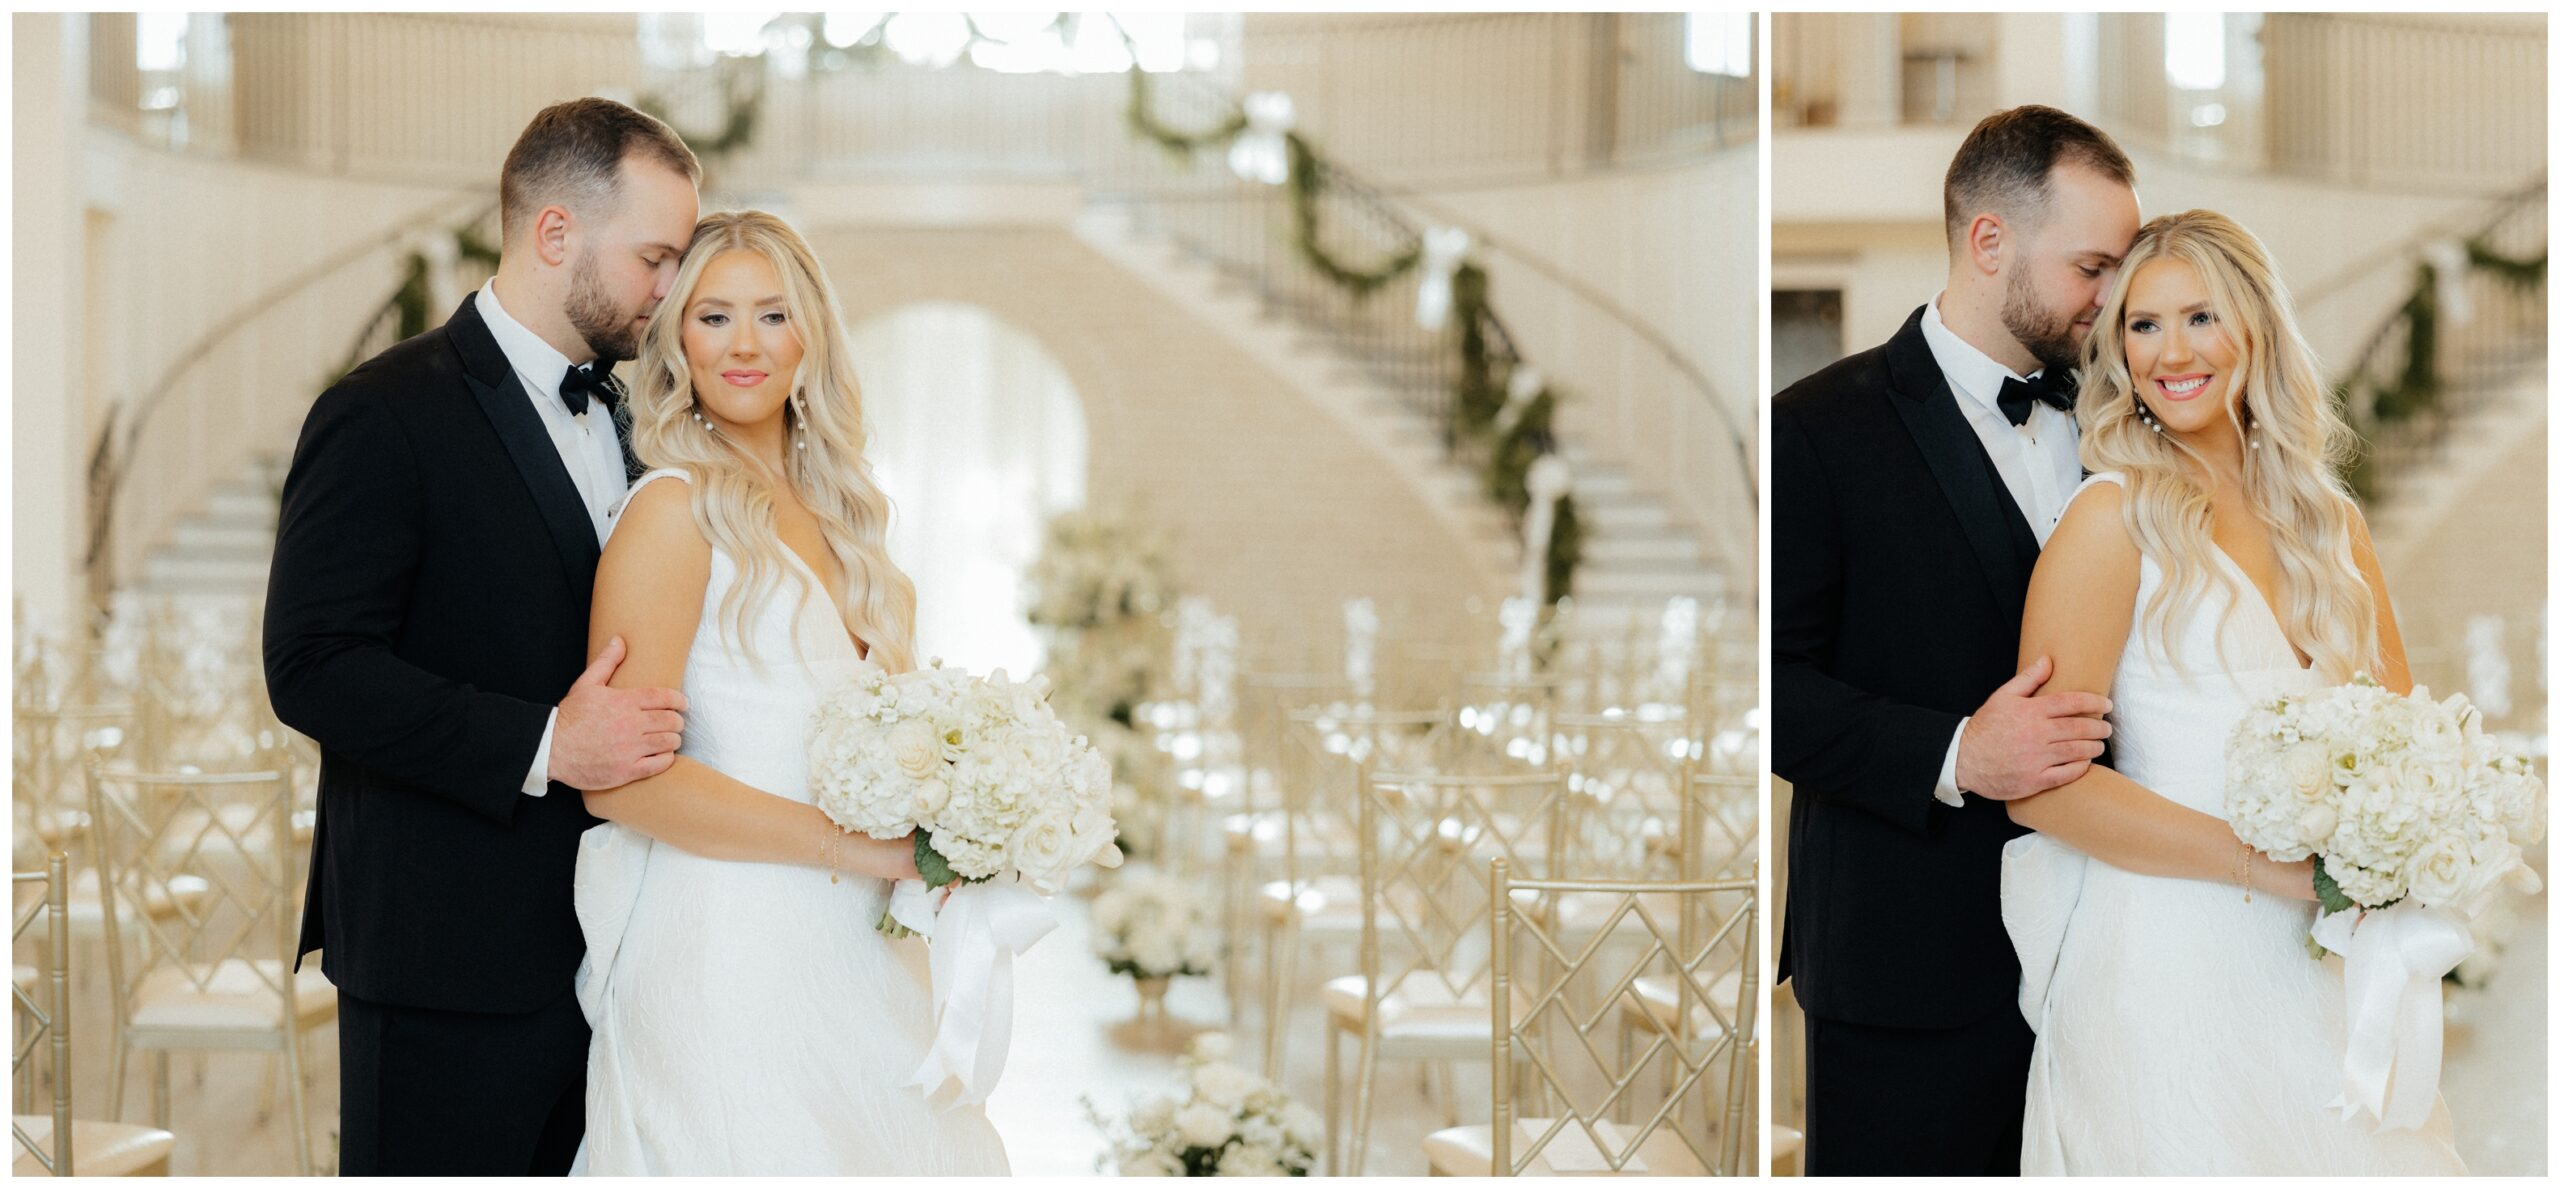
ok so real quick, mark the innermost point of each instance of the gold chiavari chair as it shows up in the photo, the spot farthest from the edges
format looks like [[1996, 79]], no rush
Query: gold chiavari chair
[[1256, 835], [1715, 842], [218, 976], [1581, 1092], [55, 1143], [1424, 991], [1316, 900]]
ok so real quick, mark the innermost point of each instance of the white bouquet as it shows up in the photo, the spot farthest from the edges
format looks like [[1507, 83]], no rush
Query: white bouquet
[[978, 770], [2389, 796], [2413, 818], [1225, 1123], [989, 784], [1152, 926]]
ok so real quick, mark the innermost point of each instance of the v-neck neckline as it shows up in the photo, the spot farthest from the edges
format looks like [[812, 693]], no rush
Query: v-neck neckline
[[2265, 604], [862, 649]]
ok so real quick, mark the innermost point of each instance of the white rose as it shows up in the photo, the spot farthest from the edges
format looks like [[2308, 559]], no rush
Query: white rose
[[2438, 871], [918, 752], [932, 793], [1043, 848], [1201, 1125], [1157, 1162], [2307, 771], [1213, 1046], [2314, 823], [1223, 1084], [1263, 1131]]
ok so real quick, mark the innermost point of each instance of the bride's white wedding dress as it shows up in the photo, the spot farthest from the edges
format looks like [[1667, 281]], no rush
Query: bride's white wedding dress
[[2180, 1028], [748, 1017]]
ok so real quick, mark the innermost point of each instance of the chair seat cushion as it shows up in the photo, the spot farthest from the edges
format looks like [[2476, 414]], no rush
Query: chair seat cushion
[[236, 993], [1421, 1012], [98, 1149], [1468, 1151]]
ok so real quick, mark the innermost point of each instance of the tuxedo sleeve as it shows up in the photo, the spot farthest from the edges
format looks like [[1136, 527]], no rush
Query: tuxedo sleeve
[[347, 544], [1832, 740]]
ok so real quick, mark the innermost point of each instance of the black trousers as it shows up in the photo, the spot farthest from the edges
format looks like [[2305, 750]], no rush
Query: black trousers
[[1915, 1101], [424, 1091]]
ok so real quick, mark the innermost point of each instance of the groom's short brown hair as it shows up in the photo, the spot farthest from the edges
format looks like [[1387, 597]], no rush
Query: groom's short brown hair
[[2005, 166], [572, 154]]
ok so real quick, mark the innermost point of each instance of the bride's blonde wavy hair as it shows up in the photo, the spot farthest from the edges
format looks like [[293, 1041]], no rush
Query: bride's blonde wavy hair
[[735, 509], [2291, 477]]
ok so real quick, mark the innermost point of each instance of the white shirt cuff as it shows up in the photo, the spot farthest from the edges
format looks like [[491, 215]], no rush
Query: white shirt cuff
[[1947, 790], [538, 781]]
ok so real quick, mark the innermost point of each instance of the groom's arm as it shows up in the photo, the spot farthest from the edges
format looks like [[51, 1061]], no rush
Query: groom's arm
[[1830, 739], [347, 542]]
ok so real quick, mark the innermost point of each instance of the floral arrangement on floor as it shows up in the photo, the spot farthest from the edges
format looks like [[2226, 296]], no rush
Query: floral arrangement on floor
[[1224, 1123], [1150, 925]]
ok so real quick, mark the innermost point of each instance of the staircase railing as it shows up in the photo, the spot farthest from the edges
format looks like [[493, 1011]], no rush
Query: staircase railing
[[245, 381], [2476, 320], [1633, 398]]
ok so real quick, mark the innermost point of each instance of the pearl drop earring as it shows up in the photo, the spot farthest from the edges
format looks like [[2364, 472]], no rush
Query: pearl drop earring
[[800, 431], [2145, 411]]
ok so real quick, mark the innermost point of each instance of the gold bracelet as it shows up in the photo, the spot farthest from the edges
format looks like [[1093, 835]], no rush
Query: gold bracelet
[[2248, 860], [829, 848]]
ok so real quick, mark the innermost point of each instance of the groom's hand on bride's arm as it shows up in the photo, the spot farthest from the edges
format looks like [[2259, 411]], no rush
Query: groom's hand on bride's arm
[[2020, 742], [605, 737]]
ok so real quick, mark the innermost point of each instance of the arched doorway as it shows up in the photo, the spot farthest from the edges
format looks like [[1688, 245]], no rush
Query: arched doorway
[[979, 438]]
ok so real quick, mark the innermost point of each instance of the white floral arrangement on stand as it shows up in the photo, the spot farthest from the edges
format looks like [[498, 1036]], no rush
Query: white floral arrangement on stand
[[2414, 818], [1002, 803], [1224, 1123], [1141, 796], [1094, 570], [1152, 926]]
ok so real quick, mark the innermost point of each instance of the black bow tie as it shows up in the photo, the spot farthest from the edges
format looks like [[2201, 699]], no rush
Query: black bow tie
[[581, 381], [2053, 386]]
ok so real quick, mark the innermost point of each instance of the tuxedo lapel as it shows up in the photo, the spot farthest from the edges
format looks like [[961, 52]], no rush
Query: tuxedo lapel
[[510, 409], [1984, 509]]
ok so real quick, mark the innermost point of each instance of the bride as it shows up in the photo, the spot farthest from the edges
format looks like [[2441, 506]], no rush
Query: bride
[[2213, 561], [747, 1016]]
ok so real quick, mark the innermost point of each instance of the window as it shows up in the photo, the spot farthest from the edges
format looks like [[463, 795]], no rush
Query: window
[[1720, 43]]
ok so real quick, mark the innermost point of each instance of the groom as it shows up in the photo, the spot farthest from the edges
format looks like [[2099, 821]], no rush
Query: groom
[[1912, 485], [426, 623]]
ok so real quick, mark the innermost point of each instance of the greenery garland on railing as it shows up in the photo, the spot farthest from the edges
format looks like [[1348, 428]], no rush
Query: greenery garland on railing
[[1477, 400], [2419, 382]]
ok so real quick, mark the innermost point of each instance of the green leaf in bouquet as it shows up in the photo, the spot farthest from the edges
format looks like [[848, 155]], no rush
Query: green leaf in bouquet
[[930, 864], [2327, 889]]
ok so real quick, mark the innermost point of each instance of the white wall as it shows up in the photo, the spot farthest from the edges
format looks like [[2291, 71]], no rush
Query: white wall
[[47, 86]]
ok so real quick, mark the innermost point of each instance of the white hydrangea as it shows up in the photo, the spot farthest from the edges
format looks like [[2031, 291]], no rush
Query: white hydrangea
[[980, 764], [2397, 796]]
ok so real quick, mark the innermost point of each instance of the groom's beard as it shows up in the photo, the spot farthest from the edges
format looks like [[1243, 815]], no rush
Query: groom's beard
[[591, 312], [2045, 333]]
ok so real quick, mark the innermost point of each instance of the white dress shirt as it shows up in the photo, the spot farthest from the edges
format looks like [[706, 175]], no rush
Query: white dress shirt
[[2039, 461], [586, 442]]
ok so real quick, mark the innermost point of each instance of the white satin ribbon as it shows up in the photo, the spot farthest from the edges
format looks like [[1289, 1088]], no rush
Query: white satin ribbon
[[1526, 383], [1443, 250], [1549, 481], [976, 936], [2396, 962]]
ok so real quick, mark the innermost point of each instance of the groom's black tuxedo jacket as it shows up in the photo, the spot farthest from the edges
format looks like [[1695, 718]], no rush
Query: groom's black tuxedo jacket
[[426, 608], [1898, 577]]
